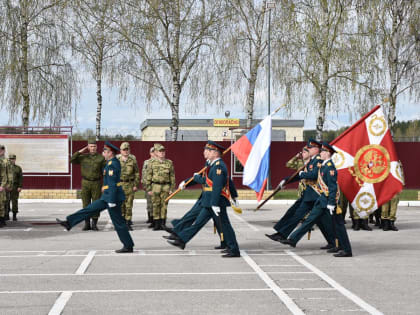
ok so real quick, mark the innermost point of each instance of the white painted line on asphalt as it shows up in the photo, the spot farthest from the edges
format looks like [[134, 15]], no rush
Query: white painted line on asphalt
[[308, 289], [271, 284], [139, 290], [85, 263], [255, 229], [280, 265], [108, 225], [60, 303], [351, 296], [28, 229], [193, 252], [234, 273]]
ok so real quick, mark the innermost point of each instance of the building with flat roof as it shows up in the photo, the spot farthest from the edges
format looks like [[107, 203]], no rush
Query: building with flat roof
[[218, 129]]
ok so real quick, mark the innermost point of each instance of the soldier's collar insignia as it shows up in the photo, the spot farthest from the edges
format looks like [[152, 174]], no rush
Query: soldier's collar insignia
[[110, 162], [219, 171], [111, 172], [218, 162]]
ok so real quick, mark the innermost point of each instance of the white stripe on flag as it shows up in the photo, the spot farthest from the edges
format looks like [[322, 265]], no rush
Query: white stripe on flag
[[260, 147]]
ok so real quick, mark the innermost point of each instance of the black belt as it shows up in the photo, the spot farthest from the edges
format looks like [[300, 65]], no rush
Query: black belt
[[127, 181], [166, 183], [91, 180]]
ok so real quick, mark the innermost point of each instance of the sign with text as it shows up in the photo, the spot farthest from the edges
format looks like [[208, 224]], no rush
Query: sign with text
[[226, 122], [39, 153]]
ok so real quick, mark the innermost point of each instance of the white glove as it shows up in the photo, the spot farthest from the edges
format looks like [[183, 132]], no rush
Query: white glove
[[216, 210], [300, 173], [111, 205], [235, 202], [330, 208], [281, 185], [182, 185]]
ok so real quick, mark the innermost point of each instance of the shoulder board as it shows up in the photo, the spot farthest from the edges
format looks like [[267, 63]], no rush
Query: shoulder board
[[318, 157], [110, 162], [329, 164], [217, 163]]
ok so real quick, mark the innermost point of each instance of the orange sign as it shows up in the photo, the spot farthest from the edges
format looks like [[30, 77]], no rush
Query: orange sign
[[226, 122]]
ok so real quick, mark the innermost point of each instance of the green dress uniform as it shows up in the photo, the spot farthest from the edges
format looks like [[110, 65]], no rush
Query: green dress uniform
[[111, 199], [160, 180], [149, 206], [91, 169], [6, 182], [130, 178], [13, 195]]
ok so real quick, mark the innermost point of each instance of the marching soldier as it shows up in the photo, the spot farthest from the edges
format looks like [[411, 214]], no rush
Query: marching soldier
[[389, 214], [6, 184], [112, 197], [149, 206], [13, 195], [91, 165], [130, 179], [160, 182]]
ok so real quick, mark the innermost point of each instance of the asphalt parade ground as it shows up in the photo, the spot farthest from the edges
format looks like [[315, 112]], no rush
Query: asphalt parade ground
[[46, 270]]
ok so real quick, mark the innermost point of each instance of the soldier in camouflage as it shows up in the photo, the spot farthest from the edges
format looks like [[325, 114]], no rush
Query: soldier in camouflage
[[148, 197], [91, 165], [13, 195], [130, 178], [160, 182], [6, 183]]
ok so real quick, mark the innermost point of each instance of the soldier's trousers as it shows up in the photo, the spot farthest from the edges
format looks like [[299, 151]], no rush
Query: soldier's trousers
[[287, 216], [2, 203], [389, 209], [91, 191], [160, 207], [341, 232], [115, 214], [12, 196], [127, 205]]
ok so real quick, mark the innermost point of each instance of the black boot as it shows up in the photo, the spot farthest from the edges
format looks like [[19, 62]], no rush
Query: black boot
[[163, 224], [356, 225], [158, 225], [392, 227], [152, 224], [371, 219], [385, 224], [95, 225], [129, 225], [87, 225], [14, 216], [353, 223], [377, 218], [6, 216], [2, 222], [365, 225]]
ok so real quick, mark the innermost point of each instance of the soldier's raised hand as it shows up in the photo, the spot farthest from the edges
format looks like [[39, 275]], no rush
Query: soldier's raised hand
[[83, 149]]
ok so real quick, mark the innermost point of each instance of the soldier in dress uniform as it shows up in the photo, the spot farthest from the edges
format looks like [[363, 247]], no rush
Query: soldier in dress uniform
[[160, 183], [215, 199], [91, 164], [6, 183], [149, 206], [13, 195], [302, 206], [112, 197], [325, 209], [130, 178]]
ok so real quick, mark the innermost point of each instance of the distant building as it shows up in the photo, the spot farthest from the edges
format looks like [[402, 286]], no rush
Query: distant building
[[219, 129]]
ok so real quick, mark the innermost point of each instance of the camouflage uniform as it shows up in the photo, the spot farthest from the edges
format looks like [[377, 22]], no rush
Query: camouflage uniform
[[149, 205], [13, 195], [389, 213], [91, 169], [6, 181], [160, 179], [130, 178]]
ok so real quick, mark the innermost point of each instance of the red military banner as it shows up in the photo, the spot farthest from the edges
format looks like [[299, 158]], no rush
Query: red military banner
[[369, 172]]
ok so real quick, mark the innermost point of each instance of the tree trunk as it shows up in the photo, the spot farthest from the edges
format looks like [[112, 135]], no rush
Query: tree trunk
[[322, 104], [250, 96], [24, 72], [393, 70], [175, 107], [99, 100]]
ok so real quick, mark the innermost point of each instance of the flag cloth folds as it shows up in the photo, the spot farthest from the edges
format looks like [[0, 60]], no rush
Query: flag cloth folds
[[369, 172], [253, 151]]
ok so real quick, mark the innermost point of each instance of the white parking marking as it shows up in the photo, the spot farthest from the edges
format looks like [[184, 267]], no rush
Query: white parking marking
[[60, 303], [85, 263], [136, 290], [126, 274], [271, 284]]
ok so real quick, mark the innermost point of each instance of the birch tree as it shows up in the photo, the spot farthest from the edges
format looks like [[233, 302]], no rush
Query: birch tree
[[321, 60], [166, 40], [38, 80], [95, 42]]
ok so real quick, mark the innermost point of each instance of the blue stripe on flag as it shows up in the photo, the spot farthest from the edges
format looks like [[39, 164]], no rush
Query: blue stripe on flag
[[262, 172], [253, 134]]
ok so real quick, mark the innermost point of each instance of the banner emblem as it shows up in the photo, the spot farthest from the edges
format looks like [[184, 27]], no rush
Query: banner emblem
[[365, 201], [372, 163], [338, 159], [377, 126]]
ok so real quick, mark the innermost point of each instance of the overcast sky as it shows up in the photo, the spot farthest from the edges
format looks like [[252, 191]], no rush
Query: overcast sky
[[125, 118]]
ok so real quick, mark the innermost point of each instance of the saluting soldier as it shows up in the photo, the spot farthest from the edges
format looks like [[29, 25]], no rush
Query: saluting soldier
[[149, 206], [13, 195], [130, 178], [160, 182], [6, 183], [112, 197], [91, 164]]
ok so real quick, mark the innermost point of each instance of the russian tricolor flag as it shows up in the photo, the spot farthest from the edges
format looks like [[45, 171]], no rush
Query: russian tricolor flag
[[253, 151]]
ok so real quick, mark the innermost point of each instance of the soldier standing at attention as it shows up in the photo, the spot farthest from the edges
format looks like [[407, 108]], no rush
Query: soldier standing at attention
[[130, 179], [6, 183], [148, 197], [13, 195], [91, 165], [112, 197], [389, 214], [160, 182]]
